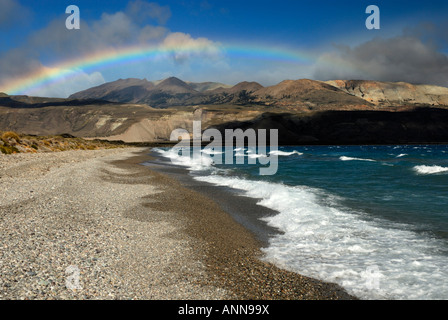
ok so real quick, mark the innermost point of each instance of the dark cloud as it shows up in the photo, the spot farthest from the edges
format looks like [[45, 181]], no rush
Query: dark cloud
[[112, 30], [17, 62], [404, 58], [141, 11], [12, 13], [430, 32]]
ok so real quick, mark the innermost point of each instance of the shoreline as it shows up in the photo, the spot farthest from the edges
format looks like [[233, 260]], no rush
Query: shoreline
[[233, 252], [134, 233]]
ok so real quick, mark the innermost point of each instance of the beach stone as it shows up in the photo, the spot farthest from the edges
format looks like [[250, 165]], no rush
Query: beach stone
[[66, 233]]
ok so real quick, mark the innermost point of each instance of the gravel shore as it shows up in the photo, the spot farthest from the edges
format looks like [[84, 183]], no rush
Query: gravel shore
[[68, 211], [131, 232]]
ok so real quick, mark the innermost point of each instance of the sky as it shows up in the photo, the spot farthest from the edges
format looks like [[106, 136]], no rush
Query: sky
[[224, 41]]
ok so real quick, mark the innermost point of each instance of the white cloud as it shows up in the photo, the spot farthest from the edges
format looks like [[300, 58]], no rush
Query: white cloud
[[182, 46]]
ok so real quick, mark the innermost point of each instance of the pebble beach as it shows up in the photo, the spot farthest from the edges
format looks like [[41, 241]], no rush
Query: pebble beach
[[119, 230]]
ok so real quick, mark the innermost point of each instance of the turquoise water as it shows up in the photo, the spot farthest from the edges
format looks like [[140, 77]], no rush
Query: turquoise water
[[373, 219]]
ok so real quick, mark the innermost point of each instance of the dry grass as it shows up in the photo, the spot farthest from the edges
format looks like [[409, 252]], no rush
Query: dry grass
[[9, 135], [12, 142]]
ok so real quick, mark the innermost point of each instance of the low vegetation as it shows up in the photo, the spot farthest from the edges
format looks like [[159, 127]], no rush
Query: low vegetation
[[12, 142]]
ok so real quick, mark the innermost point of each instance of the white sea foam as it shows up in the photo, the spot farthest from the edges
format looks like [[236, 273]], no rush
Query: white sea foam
[[240, 154], [284, 153], [211, 151], [327, 242], [344, 158], [199, 162], [430, 169], [401, 155], [256, 155]]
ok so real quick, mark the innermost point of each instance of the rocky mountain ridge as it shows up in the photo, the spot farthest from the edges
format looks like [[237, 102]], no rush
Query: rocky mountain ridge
[[302, 93]]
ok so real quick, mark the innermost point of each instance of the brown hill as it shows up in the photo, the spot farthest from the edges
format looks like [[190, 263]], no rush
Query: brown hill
[[393, 93], [130, 90], [174, 85], [160, 94], [245, 86], [306, 93], [240, 93], [207, 86], [78, 117]]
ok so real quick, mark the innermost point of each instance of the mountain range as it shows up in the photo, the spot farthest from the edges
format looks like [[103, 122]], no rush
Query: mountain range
[[304, 111], [303, 93]]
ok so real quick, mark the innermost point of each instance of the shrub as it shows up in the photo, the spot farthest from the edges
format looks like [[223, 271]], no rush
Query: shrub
[[8, 149], [10, 135]]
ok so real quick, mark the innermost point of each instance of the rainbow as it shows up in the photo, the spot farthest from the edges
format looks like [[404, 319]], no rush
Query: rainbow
[[112, 57]]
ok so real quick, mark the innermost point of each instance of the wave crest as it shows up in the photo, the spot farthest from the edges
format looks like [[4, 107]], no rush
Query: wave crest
[[344, 158], [430, 169]]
